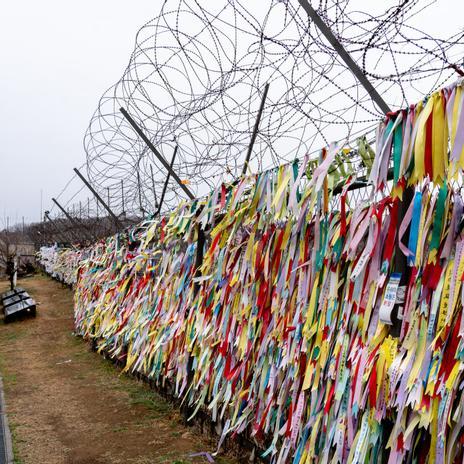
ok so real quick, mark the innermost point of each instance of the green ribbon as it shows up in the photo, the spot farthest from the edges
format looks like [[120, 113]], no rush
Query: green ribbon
[[397, 149], [438, 219]]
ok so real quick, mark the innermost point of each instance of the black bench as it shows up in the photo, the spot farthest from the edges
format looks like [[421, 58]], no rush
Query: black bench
[[17, 302]]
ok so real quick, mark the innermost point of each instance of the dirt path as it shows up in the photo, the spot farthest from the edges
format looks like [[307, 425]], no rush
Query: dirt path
[[67, 404]]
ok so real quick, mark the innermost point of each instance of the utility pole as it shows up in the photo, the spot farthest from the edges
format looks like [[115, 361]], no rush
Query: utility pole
[[153, 186], [139, 192], [41, 205], [122, 197]]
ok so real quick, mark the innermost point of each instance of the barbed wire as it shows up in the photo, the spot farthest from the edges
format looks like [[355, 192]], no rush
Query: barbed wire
[[198, 71]]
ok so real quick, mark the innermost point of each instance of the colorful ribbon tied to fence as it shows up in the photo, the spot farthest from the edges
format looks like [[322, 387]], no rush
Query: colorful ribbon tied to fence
[[279, 325]]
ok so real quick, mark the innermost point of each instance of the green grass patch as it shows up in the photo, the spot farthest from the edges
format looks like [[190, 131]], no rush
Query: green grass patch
[[10, 378], [15, 440], [149, 399], [120, 428]]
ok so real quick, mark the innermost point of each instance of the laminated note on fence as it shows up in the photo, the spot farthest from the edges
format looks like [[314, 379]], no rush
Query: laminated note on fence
[[389, 299]]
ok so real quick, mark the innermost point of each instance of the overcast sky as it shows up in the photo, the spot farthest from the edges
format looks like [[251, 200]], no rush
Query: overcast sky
[[57, 58]]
